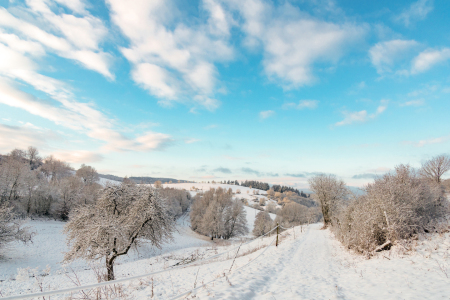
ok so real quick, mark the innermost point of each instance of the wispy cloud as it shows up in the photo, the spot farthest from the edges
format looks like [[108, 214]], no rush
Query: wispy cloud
[[266, 114], [419, 102], [24, 136], [73, 37], [302, 104], [174, 61], [431, 141], [416, 12], [385, 55], [365, 176], [292, 41], [222, 170], [78, 156], [212, 126], [300, 175], [191, 141], [428, 59], [251, 171], [361, 116], [81, 117]]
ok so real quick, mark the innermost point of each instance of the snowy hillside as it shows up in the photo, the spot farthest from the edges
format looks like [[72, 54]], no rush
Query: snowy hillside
[[245, 192]]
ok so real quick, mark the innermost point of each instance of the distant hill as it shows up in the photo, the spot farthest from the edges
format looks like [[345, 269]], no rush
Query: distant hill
[[143, 179]]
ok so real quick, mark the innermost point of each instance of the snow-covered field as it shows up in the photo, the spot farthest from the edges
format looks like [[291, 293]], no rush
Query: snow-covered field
[[313, 265], [308, 264]]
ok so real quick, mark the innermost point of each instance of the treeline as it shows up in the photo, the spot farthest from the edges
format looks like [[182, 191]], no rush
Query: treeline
[[32, 185], [276, 187], [38, 186], [395, 208]]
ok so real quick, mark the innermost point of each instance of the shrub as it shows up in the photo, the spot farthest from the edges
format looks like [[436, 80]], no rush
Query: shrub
[[396, 206]]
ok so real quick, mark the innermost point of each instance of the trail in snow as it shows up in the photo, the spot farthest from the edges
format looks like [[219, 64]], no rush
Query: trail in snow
[[314, 266]]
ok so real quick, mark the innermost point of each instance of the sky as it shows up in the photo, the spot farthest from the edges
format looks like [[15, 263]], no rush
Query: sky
[[274, 91]]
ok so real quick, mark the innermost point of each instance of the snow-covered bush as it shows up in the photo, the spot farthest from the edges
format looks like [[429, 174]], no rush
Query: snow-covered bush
[[293, 214], [123, 216], [215, 214], [396, 206]]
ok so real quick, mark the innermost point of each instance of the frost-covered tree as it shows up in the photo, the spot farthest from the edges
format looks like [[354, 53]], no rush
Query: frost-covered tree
[[263, 223], [55, 169], [329, 192], [434, 168], [215, 214], [123, 216], [88, 174], [11, 228]]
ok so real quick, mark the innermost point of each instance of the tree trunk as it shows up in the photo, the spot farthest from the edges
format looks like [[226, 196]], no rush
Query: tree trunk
[[110, 268]]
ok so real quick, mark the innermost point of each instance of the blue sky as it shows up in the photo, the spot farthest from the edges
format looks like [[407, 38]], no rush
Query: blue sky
[[274, 91]]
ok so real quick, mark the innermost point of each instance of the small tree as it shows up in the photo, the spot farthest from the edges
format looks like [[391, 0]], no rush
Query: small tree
[[434, 168], [158, 184], [329, 191], [263, 224], [123, 216], [11, 228], [262, 201], [88, 174]]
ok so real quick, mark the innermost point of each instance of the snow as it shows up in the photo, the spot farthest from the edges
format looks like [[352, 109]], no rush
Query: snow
[[104, 181], [313, 265], [309, 263]]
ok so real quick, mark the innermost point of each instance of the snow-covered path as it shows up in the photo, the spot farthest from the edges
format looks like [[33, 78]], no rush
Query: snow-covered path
[[314, 266]]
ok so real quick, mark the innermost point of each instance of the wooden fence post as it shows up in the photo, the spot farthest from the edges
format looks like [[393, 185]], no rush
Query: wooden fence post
[[278, 226]]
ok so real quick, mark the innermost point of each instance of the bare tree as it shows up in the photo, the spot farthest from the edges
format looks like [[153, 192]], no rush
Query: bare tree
[[88, 174], [55, 169], [32, 155], [12, 175], [328, 191], [434, 168], [11, 228], [123, 216]]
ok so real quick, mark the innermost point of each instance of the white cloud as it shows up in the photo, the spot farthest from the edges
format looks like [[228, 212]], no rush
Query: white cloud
[[293, 41], [310, 104], [432, 141], [418, 102], [361, 116], [385, 55], [24, 136], [174, 61], [191, 141], [75, 38], [416, 12], [80, 156], [429, 58], [302, 104], [266, 114], [82, 117]]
